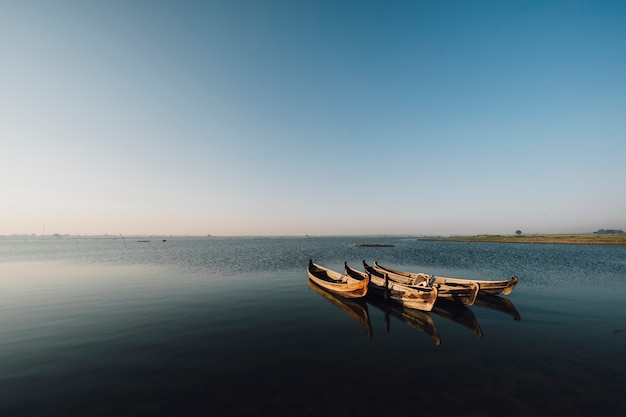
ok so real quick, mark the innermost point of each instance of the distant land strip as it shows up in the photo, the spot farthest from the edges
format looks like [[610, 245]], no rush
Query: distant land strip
[[374, 245], [571, 239]]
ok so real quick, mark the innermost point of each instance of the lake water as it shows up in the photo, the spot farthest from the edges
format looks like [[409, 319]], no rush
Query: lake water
[[230, 327]]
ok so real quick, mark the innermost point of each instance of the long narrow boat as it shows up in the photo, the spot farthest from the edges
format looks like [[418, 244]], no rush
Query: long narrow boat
[[465, 293], [503, 287], [340, 284], [420, 298]]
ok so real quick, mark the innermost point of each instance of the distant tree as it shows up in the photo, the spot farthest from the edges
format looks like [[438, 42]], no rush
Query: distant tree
[[518, 232], [609, 232]]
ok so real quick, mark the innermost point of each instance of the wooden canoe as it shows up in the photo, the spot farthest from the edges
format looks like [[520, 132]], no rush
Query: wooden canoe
[[340, 284], [463, 292], [420, 298], [353, 307], [503, 287]]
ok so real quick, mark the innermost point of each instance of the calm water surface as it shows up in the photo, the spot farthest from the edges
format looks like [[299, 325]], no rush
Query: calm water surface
[[230, 326]]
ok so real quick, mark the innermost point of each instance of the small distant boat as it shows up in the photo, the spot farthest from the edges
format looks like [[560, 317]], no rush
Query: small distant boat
[[463, 292], [336, 282], [420, 298], [503, 287]]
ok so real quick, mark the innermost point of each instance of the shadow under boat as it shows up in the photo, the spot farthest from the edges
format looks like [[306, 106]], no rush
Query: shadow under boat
[[494, 302], [417, 319], [355, 308], [458, 313]]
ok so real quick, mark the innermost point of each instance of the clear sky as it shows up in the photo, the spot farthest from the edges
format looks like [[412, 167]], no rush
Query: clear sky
[[312, 117]]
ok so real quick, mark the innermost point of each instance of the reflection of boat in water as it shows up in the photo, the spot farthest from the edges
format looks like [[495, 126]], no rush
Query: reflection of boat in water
[[417, 319], [458, 313], [357, 309], [497, 303]]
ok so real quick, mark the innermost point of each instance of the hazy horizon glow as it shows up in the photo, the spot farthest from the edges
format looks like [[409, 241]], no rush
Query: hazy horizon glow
[[319, 118]]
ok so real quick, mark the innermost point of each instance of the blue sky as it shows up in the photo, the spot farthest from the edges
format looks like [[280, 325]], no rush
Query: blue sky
[[312, 117]]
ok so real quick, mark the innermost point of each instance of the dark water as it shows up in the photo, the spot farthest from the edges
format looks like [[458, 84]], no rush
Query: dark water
[[217, 326]]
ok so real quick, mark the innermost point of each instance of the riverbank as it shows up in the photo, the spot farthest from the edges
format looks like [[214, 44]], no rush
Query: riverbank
[[572, 239]]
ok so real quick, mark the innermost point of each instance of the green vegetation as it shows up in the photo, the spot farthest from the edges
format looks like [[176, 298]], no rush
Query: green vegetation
[[573, 239], [609, 232]]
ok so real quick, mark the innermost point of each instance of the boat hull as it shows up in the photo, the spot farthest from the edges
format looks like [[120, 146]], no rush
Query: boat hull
[[337, 283], [502, 287]]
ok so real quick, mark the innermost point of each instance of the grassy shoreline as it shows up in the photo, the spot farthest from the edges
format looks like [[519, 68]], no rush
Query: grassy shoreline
[[571, 239]]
